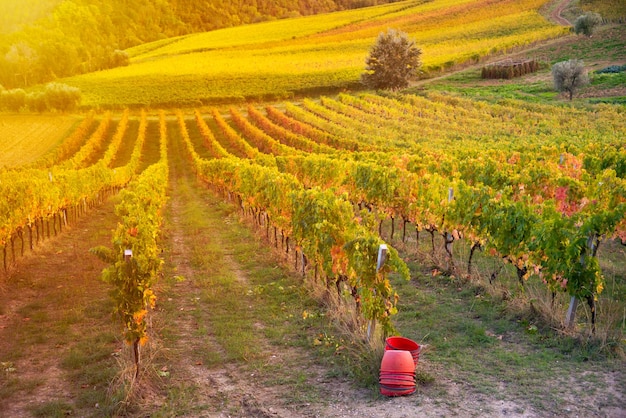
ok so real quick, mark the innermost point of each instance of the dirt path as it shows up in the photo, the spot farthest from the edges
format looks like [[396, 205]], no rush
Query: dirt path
[[556, 16], [206, 245], [211, 388], [51, 306]]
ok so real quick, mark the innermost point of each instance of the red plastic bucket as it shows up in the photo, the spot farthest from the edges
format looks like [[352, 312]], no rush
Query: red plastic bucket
[[396, 361], [402, 343], [397, 373]]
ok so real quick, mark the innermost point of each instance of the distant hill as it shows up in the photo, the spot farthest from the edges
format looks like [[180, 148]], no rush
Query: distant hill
[[41, 40]]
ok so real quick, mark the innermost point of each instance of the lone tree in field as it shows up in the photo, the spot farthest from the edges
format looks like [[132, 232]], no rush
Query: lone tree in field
[[569, 76], [587, 23], [393, 61]]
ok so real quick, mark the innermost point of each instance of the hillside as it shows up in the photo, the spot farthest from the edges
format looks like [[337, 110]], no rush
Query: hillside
[[34, 33], [316, 54]]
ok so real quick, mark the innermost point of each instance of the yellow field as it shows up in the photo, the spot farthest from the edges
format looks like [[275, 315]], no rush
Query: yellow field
[[285, 58], [24, 139]]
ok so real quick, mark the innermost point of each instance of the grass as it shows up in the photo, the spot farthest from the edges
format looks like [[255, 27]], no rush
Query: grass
[[604, 48], [54, 409], [488, 338]]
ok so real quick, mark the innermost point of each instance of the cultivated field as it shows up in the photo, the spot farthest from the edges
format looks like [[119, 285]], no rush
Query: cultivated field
[[237, 245], [27, 138], [283, 59], [372, 168]]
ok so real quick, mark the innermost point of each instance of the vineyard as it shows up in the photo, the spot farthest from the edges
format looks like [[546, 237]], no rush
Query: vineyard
[[512, 179], [327, 182]]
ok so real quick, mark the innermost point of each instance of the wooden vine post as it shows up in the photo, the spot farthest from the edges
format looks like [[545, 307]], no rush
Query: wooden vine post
[[382, 257], [128, 256], [448, 237], [570, 317]]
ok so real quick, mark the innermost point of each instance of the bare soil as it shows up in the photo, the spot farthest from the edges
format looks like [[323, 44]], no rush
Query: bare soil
[[556, 13], [44, 310]]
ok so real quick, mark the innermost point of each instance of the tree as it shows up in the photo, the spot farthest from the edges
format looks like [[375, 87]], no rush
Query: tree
[[23, 58], [13, 99], [587, 23], [62, 97], [393, 61], [569, 76], [119, 58], [36, 101]]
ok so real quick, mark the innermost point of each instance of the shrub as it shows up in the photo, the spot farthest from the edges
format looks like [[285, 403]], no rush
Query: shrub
[[569, 76], [13, 99], [119, 58], [36, 101], [587, 23]]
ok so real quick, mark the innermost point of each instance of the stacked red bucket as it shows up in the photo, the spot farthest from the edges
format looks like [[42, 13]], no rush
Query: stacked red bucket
[[397, 368]]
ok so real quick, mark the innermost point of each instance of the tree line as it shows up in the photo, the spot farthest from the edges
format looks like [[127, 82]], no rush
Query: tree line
[[80, 36]]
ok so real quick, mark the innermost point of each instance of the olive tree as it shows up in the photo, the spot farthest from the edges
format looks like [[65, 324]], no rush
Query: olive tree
[[13, 99], [393, 61], [569, 76], [587, 23], [62, 97]]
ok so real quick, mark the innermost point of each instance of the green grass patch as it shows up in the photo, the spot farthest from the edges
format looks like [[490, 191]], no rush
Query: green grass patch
[[53, 409], [608, 80]]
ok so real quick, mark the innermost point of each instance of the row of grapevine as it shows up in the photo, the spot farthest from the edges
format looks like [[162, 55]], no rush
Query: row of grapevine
[[135, 257], [540, 209], [309, 131], [322, 225], [214, 147], [259, 139], [285, 136], [69, 146], [33, 196], [93, 144]]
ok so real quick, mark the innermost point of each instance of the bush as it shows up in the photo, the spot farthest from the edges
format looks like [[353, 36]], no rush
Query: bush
[[36, 101], [587, 23], [393, 61], [13, 100], [119, 58], [569, 76], [62, 97]]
